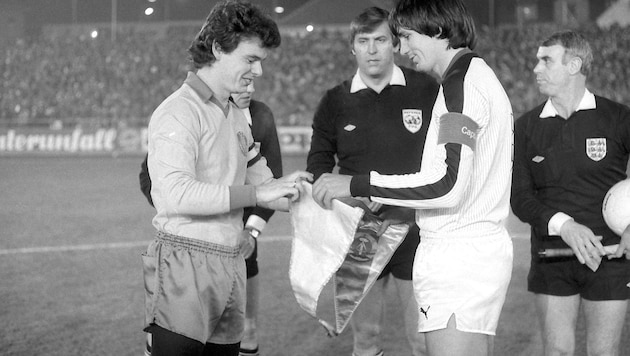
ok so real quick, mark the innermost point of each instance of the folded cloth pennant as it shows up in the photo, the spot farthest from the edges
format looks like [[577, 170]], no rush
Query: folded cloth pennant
[[340, 242], [364, 262]]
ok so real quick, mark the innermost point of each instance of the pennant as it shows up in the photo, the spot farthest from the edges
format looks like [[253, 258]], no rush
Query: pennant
[[364, 262], [340, 242], [321, 239]]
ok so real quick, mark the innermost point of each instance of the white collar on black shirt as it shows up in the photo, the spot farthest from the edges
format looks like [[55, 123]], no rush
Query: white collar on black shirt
[[587, 103], [248, 115], [398, 78]]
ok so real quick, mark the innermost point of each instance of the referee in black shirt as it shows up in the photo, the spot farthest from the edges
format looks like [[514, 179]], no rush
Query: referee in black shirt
[[568, 152]]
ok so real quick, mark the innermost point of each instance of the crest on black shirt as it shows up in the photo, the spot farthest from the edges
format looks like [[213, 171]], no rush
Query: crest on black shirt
[[596, 148], [412, 118]]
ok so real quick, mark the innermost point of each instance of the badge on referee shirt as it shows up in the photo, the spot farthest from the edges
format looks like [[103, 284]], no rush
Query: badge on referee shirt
[[596, 148], [412, 118]]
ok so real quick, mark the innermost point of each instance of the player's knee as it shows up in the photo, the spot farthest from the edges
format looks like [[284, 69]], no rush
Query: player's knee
[[558, 342], [559, 349], [601, 349], [417, 343]]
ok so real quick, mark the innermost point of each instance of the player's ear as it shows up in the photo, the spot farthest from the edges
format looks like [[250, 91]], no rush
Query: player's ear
[[216, 49], [575, 65], [439, 34]]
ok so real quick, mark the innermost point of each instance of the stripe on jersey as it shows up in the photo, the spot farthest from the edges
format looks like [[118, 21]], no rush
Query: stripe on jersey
[[453, 92], [458, 128], [429, 191], [453, 83], [253, 155]]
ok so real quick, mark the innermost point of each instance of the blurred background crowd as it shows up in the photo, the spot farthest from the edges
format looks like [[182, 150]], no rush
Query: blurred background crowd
[[109, 83]]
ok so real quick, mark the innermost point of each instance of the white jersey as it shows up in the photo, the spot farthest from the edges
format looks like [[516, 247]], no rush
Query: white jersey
[[463, 187]]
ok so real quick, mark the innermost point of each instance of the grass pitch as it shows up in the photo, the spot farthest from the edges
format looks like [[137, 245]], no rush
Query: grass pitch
[[72, 231]]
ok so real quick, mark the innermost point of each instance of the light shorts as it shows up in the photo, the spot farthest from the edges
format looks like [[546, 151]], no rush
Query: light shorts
[[467, 277], [195, 288]]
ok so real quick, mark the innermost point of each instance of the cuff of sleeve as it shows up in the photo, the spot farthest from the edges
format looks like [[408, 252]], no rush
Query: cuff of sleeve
[[256, 222], [556, 222], [360, 186], [242, 196]]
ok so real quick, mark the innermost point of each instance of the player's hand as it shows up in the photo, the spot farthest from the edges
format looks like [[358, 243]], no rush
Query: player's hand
[[246, 244], [331, 186], [282, 187], [394, 216], [587, 247], [624, 245], [297, 176]]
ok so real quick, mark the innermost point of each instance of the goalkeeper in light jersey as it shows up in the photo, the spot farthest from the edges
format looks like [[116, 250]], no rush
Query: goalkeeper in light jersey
[[464, 261]]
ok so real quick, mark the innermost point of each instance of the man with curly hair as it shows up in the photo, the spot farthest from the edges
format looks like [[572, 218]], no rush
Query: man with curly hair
[[205, 168]]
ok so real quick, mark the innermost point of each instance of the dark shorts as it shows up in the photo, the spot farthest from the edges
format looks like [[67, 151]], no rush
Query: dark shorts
[[401, 264], [567, 276], [251, 263], [166, 342]]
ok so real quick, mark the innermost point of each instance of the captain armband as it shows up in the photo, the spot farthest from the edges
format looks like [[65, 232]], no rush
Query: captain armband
[[458, 128]]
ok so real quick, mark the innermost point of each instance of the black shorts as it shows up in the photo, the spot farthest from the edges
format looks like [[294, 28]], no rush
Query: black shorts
[[251, 263], [567, 276], [401, 264]]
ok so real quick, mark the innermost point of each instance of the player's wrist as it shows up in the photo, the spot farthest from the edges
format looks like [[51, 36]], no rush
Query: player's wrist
[[252, 231]]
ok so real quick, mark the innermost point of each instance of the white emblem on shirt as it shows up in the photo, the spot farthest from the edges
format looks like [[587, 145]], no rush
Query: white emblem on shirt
[[596, 148], [412, 118], [538, 159], [349, 127]]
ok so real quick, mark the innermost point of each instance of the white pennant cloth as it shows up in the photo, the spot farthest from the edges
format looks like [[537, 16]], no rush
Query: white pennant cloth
[[320, 244], [340, 242]]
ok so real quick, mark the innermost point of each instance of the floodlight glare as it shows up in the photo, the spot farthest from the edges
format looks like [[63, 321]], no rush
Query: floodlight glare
[[310, 28], [148, 11], [279, 9]]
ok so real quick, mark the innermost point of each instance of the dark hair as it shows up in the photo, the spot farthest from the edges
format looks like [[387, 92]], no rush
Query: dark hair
[[228, 23], [447, 19], [575, 45], [367, 21]]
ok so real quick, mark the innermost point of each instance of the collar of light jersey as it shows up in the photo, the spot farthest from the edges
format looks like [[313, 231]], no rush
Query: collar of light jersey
[[458, 55], [398, 78], [587, 103], [203, 90]]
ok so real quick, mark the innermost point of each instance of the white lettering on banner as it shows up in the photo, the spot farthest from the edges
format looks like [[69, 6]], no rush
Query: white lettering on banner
[[295, 139], [100, 140]]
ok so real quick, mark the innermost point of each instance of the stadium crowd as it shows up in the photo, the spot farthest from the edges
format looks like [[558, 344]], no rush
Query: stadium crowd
[[106, 82]]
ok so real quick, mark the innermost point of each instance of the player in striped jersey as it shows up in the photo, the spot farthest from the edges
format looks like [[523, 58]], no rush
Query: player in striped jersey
[[464, 261]]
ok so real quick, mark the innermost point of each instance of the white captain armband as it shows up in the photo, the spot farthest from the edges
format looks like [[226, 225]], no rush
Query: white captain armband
[[458, 128]]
